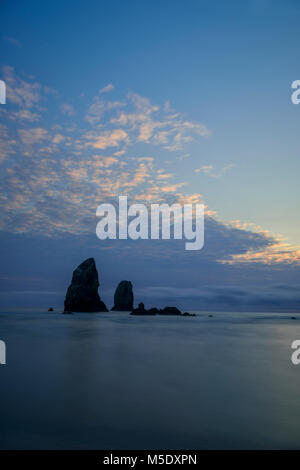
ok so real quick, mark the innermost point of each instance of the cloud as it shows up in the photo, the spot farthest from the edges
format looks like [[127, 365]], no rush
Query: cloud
[[72, 165], [140, 175], [26, 115], [162, 272], [99, 107], [7, 144], [109, 139], [276, 253], [67, 109], [150, 124], [161, 175], [23, 93], [107, 88], [33, 136], [207, 169], [77, 173], [100, 161], [171, 188], [210, 171], [58, 138], [224, 298]]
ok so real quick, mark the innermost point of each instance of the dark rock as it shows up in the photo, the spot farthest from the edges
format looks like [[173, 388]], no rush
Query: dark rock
[[170, 311], [187, 314], [123, 299], [153, 311], [141, 310], [82, 294], [293, 318], [210, 316], [50, 309]]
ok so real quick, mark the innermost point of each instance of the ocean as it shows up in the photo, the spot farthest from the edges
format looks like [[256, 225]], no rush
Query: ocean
[[115, 381]]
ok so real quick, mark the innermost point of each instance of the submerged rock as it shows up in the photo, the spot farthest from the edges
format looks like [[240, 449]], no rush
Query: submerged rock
[[82, 294], [50, 309], [123, 299]]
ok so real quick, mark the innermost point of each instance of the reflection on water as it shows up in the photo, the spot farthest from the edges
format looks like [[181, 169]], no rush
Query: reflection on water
[[110, 380]]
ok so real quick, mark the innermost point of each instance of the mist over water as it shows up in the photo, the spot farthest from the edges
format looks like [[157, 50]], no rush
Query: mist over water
[[115, 381]]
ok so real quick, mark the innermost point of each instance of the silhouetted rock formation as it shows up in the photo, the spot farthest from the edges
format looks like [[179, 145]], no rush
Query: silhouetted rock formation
[[82, 294], [123, 299], [155, 311], [170, 311], [141, 310], [50, 309]]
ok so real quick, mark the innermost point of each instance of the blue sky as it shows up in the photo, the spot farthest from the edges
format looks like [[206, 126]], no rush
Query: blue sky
[[160, 100]]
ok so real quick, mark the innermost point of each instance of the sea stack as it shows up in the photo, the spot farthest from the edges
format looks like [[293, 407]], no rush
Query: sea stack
[[82, 294], [140, 310], [123, 299]]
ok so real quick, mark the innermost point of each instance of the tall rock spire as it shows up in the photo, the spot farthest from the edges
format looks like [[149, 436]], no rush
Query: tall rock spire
[[123, 298], [82, 294]]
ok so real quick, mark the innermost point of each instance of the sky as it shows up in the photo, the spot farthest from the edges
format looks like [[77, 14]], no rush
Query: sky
[[162, 101]]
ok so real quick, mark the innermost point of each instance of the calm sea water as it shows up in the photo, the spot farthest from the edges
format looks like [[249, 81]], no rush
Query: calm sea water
[[111, 380]]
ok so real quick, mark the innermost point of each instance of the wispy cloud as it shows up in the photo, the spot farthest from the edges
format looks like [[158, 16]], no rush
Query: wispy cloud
[[209, 170], [99, 107], [21, 92], [107, 88], [55, 173], [276, 253], [33, 136], [107, 139], [67, 109]]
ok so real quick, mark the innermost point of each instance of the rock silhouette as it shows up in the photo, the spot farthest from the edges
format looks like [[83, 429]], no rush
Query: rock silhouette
[[82, 294], [155, 311], [123, 299], [170, 311], [140, 310]]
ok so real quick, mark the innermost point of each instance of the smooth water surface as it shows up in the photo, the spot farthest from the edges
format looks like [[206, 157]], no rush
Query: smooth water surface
[[115, 381]]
